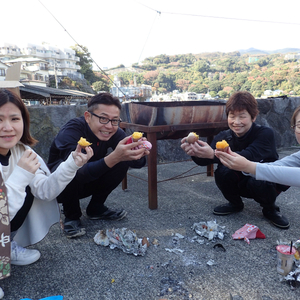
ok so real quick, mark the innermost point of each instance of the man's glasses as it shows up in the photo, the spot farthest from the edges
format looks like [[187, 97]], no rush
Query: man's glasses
[[103, 120], [296, 128]]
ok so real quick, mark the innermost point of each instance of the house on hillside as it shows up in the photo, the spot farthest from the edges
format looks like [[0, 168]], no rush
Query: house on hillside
[[189, 96]]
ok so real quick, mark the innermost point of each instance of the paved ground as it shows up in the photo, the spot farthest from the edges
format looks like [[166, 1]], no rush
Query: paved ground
[[79, 269]]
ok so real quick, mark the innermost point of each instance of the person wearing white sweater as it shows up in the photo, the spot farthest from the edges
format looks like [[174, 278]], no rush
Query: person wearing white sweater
[[284, 171], [28, 191]]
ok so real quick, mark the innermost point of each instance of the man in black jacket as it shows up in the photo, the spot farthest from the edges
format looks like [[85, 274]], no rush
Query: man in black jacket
[[104, 171], [256, 143]]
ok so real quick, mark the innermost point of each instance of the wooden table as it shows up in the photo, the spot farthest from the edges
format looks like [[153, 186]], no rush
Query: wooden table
[[203, 129]]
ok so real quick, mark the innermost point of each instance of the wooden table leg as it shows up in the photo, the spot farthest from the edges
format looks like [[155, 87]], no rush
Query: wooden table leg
[[124, 183], [152, 171]]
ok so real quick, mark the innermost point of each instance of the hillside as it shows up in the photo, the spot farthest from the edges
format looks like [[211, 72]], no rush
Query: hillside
[[220, 73]]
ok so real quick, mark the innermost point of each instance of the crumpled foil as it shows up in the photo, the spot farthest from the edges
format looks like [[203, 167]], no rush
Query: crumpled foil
[[293, 278], [122, 238], [209, 229]]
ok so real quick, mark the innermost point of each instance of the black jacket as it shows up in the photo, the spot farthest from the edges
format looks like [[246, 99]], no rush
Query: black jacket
[[257, 145], [66, 141]]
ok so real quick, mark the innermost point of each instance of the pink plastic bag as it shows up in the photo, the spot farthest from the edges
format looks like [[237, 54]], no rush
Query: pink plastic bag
[[248, 232]]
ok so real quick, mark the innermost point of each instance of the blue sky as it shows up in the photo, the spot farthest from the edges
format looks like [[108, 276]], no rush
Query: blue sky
[[127, 31]]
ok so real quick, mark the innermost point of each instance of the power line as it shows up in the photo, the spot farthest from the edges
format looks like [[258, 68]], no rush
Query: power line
[[81, 47], [158, 14], [217, 17], [227, 18]]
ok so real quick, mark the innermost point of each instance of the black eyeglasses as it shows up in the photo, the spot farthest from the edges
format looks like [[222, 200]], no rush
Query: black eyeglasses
[[104, 120]]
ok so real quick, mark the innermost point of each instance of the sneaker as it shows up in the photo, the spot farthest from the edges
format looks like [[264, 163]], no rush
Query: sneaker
[[73, 228], [21, 256], [109, 215], [226, 209], [276, 218]]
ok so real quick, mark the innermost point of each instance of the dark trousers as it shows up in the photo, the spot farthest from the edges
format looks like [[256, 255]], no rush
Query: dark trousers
[[20, 216], [234, 185], [99, 189]]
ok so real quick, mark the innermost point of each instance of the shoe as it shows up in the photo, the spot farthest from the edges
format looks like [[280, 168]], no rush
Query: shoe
[[22, 256], [109, 215], [73, 228], [276, 218], [226, 209]]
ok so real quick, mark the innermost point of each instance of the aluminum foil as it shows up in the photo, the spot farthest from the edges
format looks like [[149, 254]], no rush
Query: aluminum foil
[[210, 230], [122, 238]]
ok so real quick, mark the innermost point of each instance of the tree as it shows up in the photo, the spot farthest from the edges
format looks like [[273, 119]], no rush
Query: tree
[[215, 86], [99, 86], [161, 59], [85, 63], [155, 86], [198, 88], [201, 66], [182, 84], [150, 76], [246, 86], [166, 81], [213, 94], [222, 94]]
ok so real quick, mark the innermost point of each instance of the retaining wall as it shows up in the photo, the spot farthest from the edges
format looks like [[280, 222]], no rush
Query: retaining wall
[[47, 120]]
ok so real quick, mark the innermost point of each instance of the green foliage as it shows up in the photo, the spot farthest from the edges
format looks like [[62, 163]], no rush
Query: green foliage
[[223, 94], [220, 73], [100, 85], [85, 63], [127, 78], [213, 94]]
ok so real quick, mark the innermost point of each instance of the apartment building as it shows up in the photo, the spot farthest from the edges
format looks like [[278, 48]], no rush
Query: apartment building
[[41, 61]]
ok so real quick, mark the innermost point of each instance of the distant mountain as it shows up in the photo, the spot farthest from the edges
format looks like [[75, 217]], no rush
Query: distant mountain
[[285, 50], [253, 51]]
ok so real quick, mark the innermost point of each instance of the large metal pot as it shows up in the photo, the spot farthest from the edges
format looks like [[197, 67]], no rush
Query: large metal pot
[[173, 113]]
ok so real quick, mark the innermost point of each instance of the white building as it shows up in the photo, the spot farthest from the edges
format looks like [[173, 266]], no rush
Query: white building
[[189, 96], [57, 61], [34, 71], [131, 91]]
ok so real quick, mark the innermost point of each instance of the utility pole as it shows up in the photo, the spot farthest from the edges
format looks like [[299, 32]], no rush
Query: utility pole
[[55, 75]]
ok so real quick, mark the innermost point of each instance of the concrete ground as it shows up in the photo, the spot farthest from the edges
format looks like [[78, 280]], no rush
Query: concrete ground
[[80, 269]]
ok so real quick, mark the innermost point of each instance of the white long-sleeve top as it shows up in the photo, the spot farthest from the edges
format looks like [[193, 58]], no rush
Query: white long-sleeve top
[[284, 171], [45, 187]]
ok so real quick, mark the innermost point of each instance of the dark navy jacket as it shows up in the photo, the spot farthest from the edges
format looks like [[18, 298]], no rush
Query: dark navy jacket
[[66, 141], [257, 145]]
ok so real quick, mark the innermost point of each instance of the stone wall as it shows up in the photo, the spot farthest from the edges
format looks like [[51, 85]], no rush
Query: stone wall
[[276, 113], [46, 121]]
